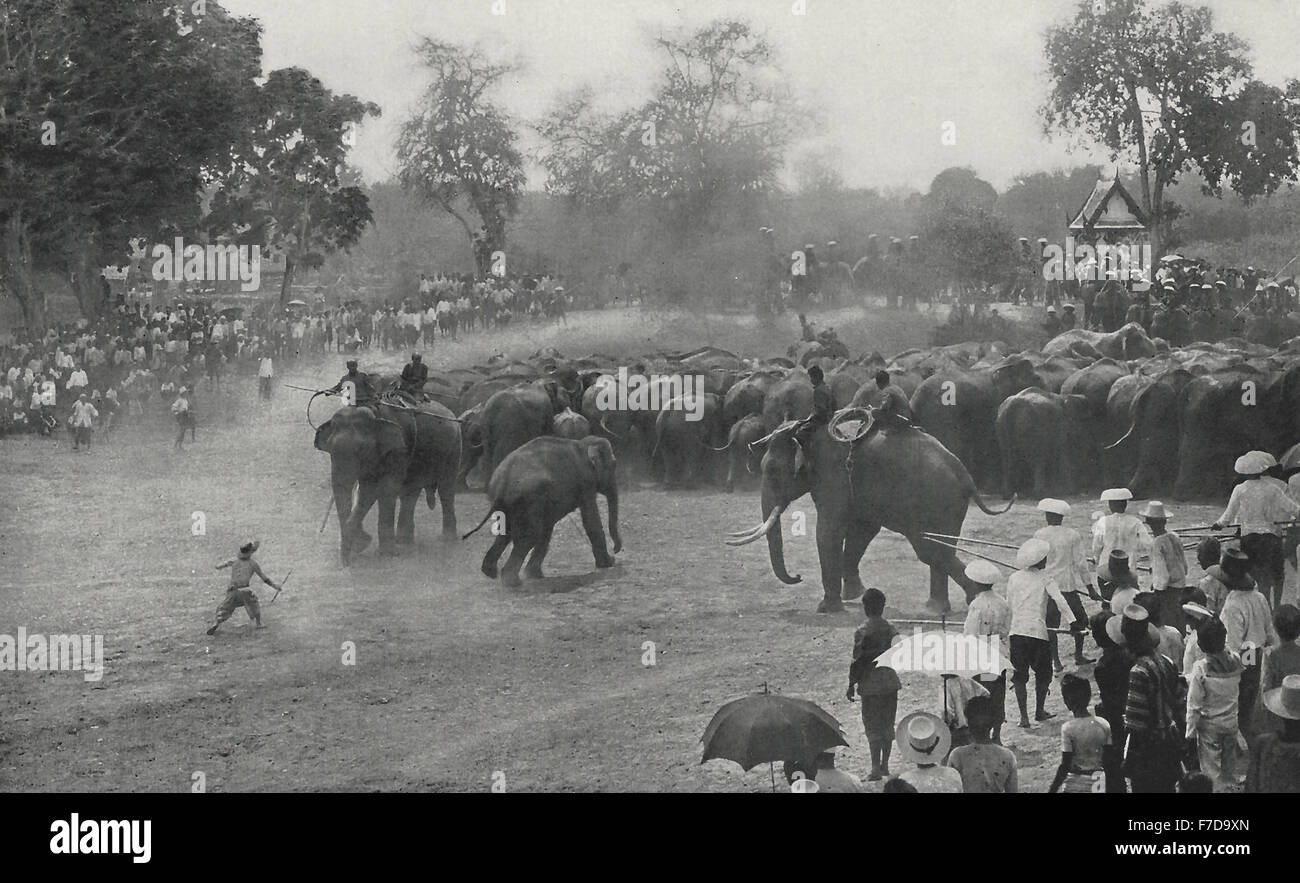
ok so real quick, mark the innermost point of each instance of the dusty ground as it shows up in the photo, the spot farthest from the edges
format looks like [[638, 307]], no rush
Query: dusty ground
[[456, 679]]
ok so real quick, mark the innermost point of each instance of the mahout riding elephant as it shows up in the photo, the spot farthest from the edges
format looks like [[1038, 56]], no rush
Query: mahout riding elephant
[[688, 431], [390, 454], [959, 408], [903, 480], [1093, 466], [790, 398], [1037, 432], [570, 424], [539, 483], [744, 451], [517, 415]]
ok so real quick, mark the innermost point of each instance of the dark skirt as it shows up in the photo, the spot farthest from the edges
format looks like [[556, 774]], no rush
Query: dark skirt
[[879, 716]]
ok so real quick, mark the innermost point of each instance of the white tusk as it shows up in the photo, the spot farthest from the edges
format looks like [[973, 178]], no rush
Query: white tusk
[[759, 531]]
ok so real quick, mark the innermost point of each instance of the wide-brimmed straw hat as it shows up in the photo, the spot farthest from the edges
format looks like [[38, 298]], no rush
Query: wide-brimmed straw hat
[[923, 737], [1254, 463], [1056, 507], [1115, 494], [1285, 700], [1155, 510], [1133, 629], [983, 572], [1031, 552], [249, 547]]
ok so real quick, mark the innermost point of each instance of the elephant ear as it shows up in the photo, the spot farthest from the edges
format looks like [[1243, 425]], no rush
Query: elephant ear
[[601, 454], [323, 433]]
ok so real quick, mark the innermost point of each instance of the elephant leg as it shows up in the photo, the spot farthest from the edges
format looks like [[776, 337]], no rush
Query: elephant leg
[[387, 512], [1008, 473], [1039, 465], [534, 567], [366, 496], [595, 532], [943, 564], [830, 551], [493, 556], [406, 517], [525, 528], [343, 509], [523, 544], [447, 496], [855, 546]]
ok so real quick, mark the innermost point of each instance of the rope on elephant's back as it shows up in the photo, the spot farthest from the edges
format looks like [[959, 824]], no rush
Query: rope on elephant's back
[[309, 402]]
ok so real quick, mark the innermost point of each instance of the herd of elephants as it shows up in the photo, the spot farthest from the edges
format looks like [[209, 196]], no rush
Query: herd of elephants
[[1090, 410]]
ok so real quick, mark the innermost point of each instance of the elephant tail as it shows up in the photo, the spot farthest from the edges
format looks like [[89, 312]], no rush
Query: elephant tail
[[979, 501], [479, 526]]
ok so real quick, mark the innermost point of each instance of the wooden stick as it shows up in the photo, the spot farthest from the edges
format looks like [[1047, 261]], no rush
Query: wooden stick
[[956, 548], [944, 536]]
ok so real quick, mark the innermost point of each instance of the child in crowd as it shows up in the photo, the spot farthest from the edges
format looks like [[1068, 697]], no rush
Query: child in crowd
[[985, 766], [1087, 758], [1279, 660], [1213, 685], [878, 685]]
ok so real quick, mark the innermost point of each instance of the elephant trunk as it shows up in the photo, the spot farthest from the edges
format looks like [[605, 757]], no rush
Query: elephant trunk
[[775, 543], [611, 497]]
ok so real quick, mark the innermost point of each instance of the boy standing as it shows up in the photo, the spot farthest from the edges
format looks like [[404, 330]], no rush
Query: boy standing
[[878, 685], [985, 766], [1086, 743]]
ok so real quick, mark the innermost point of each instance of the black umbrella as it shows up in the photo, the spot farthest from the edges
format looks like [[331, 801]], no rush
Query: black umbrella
[[764, 728]]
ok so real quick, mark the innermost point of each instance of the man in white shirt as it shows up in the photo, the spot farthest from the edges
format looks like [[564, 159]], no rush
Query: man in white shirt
[[1028, 591], [1067, 565], [1256, 505], [77, 380], [1118, 530], [990, 616], [83, 421], [265, 375]]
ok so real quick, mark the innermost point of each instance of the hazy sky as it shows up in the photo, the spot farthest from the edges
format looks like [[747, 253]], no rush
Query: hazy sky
[[887, 75]]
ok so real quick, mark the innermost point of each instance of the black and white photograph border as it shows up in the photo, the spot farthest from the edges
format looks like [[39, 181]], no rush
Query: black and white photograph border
[[534, 396]]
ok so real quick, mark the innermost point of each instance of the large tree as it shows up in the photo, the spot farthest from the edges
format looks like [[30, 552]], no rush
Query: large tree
[[289, 187], [458, 148], [715, 130], [112, 115], [1162, 88]]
